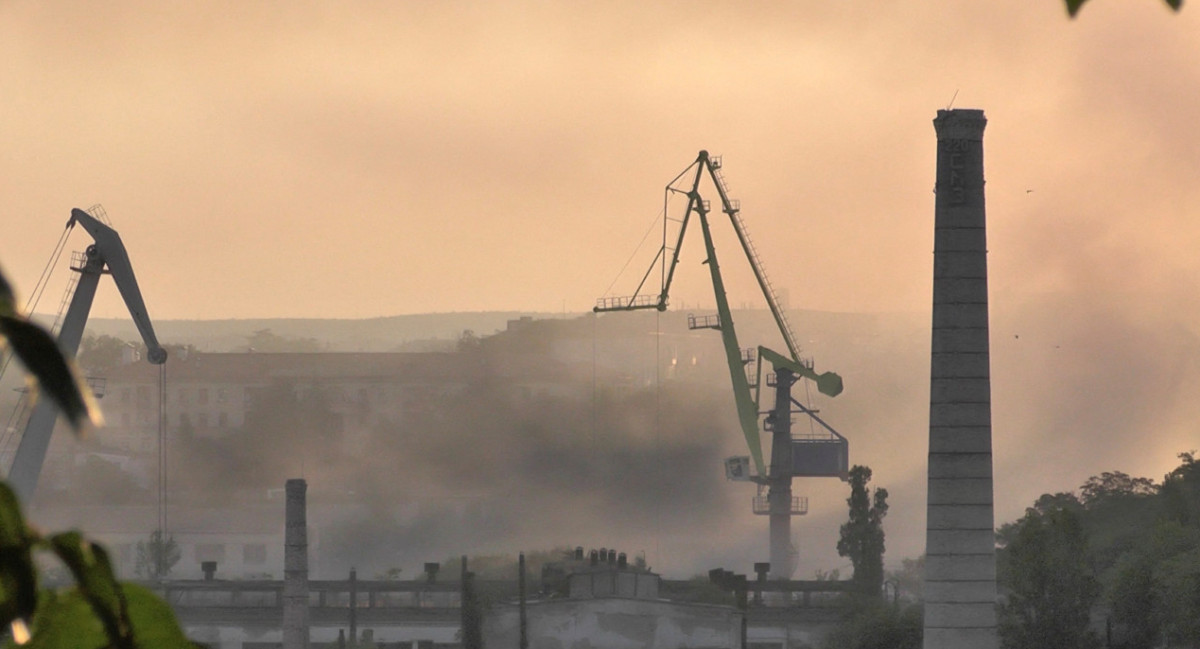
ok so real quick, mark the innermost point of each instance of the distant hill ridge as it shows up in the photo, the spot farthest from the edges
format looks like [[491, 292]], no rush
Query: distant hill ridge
[[371, 334], [422, 332]]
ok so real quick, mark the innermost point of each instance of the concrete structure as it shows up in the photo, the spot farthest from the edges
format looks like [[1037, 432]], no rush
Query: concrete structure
[[609, 607], [295, 568], [240, 614], [960, 568]]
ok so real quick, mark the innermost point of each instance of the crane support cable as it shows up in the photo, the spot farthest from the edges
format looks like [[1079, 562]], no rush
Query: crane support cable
[[9, 434], [650, 229], [44, 280]]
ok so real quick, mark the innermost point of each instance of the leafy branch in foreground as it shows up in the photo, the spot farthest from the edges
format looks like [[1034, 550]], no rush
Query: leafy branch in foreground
[[1073, 6], [98, 611], [53, 372]]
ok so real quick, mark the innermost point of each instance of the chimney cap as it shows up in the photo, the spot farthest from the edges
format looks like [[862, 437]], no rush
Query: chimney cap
[[960, 124]]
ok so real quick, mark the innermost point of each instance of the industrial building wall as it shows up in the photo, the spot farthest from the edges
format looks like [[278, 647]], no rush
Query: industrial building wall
[[616, 623]]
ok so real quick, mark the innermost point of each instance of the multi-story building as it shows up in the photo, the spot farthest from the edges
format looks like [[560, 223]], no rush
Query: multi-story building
[[211, 394]]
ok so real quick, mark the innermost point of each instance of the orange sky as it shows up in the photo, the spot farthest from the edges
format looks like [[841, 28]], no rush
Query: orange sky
[[370, 159]]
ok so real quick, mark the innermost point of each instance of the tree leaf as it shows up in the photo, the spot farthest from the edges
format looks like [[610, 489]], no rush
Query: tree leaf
[[94, 576], [55, 374], [18, 577], [65, 621], [154, 623], [8, 300], [1074, 5]]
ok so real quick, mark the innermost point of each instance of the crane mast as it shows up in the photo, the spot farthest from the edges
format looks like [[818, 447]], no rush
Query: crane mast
[[106, 255], [816, 456]]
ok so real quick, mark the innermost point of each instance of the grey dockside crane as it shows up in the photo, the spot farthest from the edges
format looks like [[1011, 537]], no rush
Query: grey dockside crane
[[106, 254]]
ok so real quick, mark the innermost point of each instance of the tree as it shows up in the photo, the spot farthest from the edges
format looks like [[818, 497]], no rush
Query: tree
[[156, 557], [1155, 590], [1181, 491], [264, 340], [862, 537], [1051, 588], [910, 579], [879, 626], [99, 353], [1073, 6], [1115, 484]]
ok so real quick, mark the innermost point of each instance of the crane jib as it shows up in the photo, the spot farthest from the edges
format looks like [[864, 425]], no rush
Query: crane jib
[[746, 395]]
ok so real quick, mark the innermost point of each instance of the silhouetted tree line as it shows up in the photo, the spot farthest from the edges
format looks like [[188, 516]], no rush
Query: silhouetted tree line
[[1116, 566]]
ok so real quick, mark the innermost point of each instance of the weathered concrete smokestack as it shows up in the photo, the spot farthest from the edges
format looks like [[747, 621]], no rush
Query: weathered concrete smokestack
[[295, 567], [960, 557]]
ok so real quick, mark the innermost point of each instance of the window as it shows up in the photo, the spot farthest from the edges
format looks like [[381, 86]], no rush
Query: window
[[184, 396], [222, 395], [202, 420], [210, 552], [202, 396], [126, 393], [254, 554], [222, 419]]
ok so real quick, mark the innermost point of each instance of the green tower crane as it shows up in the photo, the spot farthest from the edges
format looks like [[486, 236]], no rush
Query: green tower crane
[[823, 455]]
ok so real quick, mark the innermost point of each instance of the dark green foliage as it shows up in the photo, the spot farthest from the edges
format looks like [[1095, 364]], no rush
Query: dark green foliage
[[1073, 6], [1051, 588], [39, 353], [1181, 492], [93, 572], [862, 537], [878, 626], [1178, 591], [98, 611], [18, 577], [56, 377], [1128, 549], [1155, 589]]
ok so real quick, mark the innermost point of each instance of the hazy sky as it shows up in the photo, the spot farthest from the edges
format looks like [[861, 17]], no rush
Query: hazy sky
[[369, 159], [308, 159]]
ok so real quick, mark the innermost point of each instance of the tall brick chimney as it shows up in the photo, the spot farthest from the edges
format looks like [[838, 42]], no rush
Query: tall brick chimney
[[960, 556], [295, 566]]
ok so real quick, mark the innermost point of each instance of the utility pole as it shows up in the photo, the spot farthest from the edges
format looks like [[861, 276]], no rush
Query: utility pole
[[524, 642]]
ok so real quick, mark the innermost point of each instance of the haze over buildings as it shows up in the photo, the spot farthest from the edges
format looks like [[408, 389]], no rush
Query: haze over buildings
[[378, 159]]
